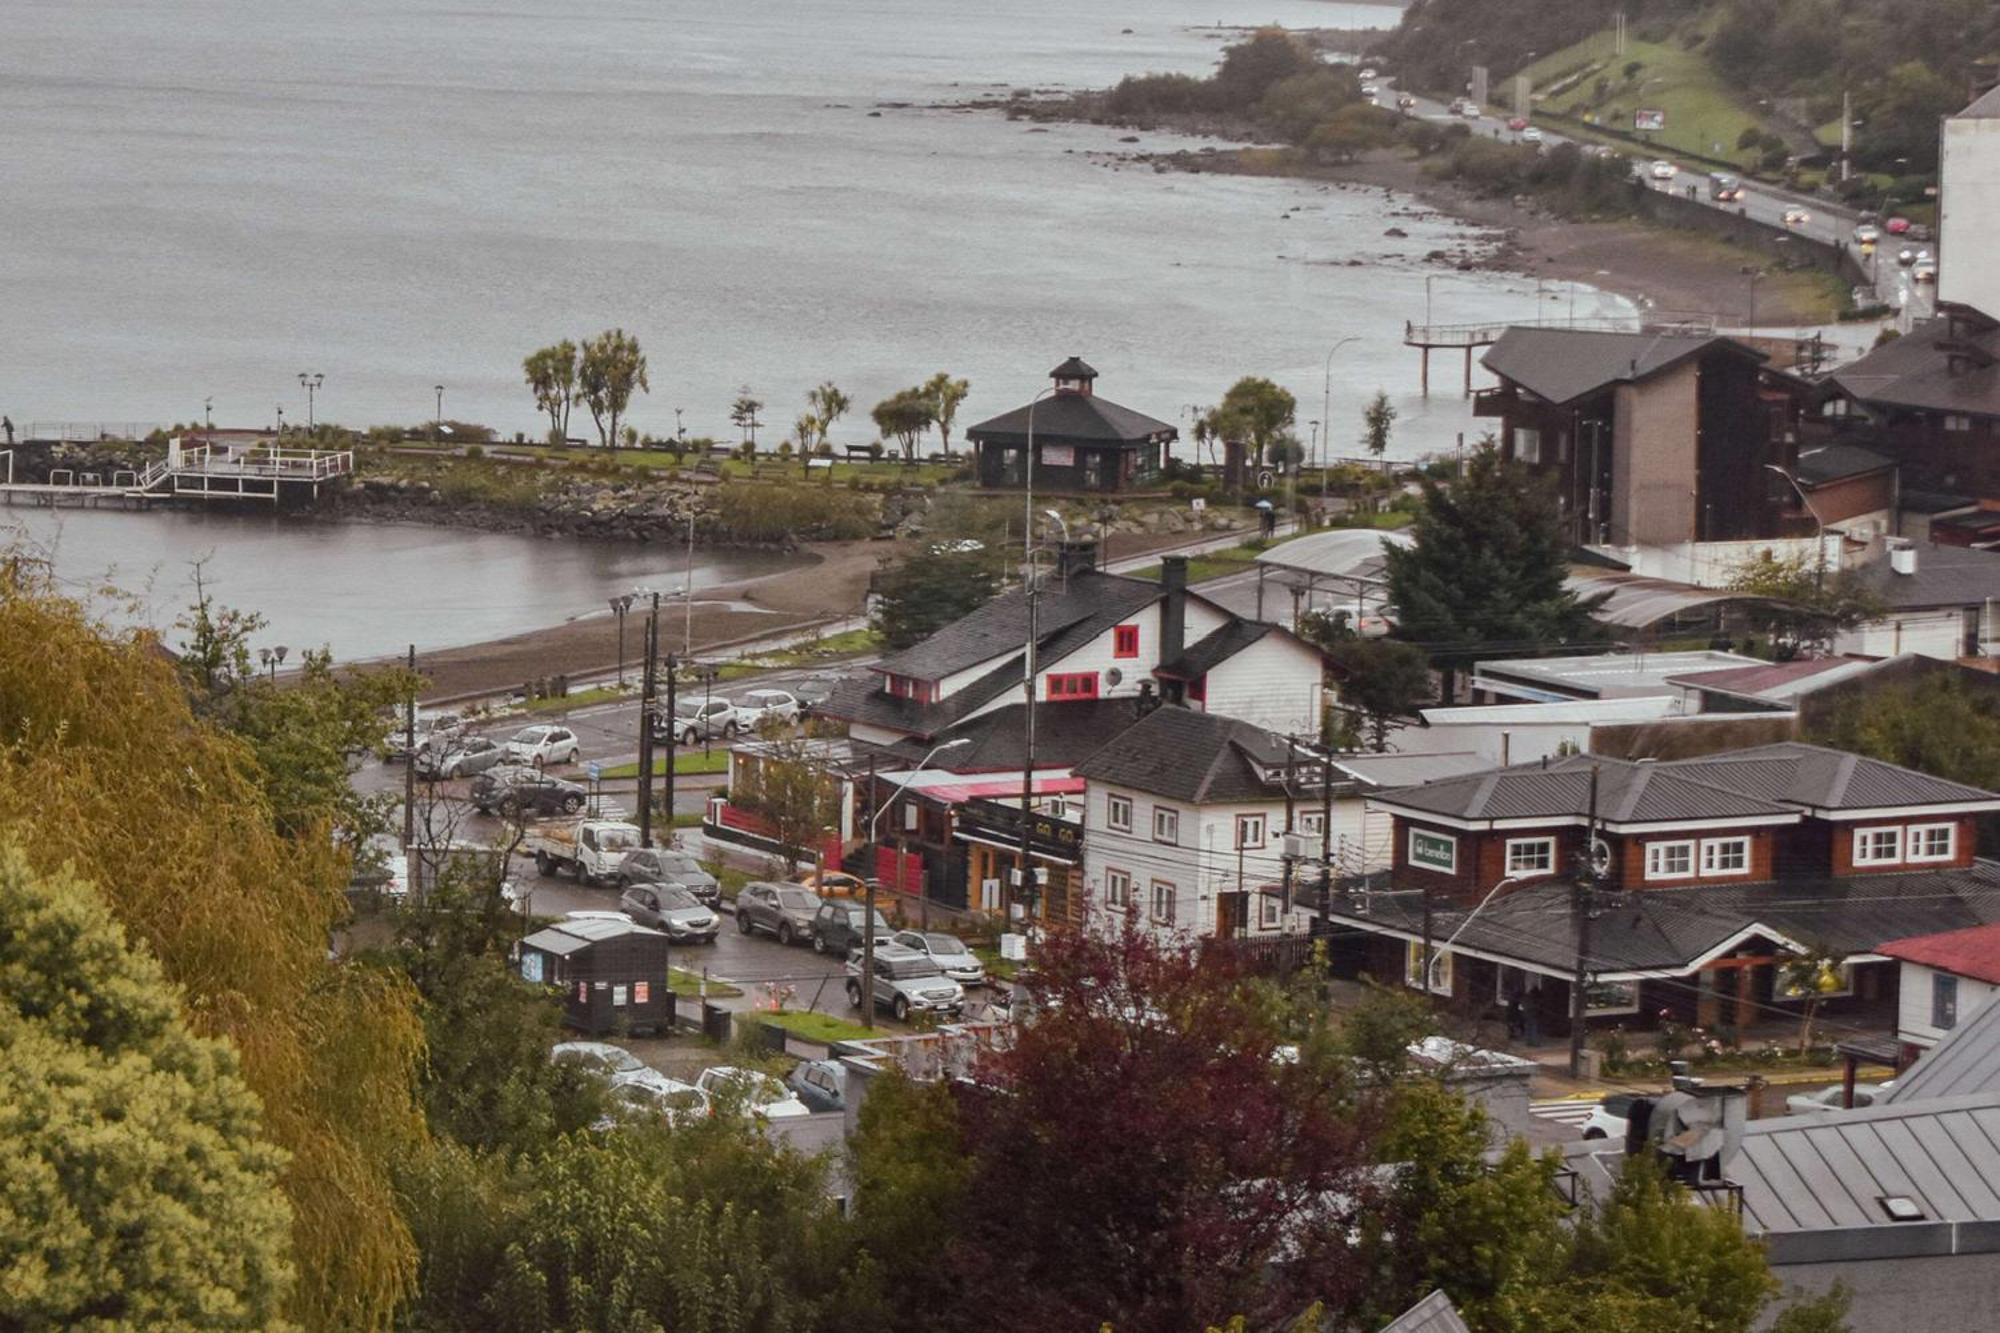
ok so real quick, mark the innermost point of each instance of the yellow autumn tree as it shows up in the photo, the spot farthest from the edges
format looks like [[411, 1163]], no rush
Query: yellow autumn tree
[[105, 770]]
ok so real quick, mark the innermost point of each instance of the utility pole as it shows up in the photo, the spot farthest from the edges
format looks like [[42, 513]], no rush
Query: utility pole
[[410, 750], [673, 737], [1325, 827], [1583, 904], [1024, 892], [1846, 135], [649, 682], [868, 944], [1291, 776]]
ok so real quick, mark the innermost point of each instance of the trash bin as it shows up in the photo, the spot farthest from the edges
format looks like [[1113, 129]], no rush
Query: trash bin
[[771, 1037], [715, 1022]]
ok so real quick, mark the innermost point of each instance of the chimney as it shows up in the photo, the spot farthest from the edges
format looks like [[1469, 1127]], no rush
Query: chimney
[[1076, 557], [1173, 611], [1903, 558]]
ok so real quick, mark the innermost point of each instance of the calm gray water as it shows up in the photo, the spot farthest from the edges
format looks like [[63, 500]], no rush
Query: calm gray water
[[205, 197], [364, 590]]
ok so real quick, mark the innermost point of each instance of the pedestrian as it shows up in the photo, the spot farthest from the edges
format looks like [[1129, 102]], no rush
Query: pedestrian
[[1517, 1017]]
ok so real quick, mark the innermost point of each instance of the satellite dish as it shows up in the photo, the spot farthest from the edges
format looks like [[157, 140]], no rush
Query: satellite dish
[[1113, 678], [1600, 857]]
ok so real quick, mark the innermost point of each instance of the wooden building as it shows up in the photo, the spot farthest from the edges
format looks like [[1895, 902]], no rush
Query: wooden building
[[613, 974], [1082, 443]]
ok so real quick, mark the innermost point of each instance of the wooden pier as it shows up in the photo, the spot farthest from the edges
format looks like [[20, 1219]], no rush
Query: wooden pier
[[189, 472]]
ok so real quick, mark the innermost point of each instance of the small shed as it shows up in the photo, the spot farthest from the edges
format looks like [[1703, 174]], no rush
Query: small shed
[[613, 974]]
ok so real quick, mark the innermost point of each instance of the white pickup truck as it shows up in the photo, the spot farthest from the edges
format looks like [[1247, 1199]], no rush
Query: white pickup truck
[[592, 848]]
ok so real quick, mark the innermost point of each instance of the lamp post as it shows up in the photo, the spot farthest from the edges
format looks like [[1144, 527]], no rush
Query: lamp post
[[619, 606], [281, 421], [310, 380], [437, 427], [1326, 406], [1756, 276], [208, 419], [1819, 525], [1432, 956], [868, 917]]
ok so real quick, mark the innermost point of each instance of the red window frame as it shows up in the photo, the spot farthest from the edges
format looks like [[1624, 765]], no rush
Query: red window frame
[[1072, 685], [1125, 641]]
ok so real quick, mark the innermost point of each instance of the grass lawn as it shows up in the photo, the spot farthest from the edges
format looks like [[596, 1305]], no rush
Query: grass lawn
[[996, 967], [766, 468], [847, 643], [687, 761], [824, 1028], [683, 982], [729, 878], [596, 694], [1704, 113]]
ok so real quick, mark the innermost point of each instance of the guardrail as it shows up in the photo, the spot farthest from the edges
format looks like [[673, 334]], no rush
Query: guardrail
[[75, 432], [1488, 332]]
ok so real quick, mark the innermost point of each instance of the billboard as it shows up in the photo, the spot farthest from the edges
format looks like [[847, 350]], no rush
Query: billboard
[[1644, 120]]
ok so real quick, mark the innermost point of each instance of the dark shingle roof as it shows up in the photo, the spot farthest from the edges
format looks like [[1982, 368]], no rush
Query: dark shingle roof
[[1837, 462], [862, 699], [1950, 576], [1072, 418], [1915, 370], [1561, 365], [1211, 651], [1076, 368], [1823, 779], [1066, 733], [1188, 756], [1078, 608]]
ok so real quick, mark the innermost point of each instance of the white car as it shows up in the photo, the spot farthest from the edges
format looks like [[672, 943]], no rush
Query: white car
[[1924, 270], [1865, 234], [645, 1093], [543, 744], [1370, 73], [615, 1061], [1531, 135], [1663, 170], [759, 1094], [1607, 1118], [949, 952], [1829, 1099], [1797, 217], [759, 706]]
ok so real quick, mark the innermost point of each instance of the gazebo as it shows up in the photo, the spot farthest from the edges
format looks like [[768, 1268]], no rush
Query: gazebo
[[1082, 442]]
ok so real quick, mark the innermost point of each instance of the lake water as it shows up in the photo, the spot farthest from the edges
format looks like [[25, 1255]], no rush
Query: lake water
[[365, 590], [206, 197]]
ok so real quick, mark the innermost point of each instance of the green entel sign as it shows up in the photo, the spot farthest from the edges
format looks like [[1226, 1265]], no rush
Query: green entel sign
[[1433, 851]]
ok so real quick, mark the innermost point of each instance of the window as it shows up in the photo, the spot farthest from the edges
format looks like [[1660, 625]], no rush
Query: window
[[1073, 685], [1611, 997], [1933, 842], [1944, 1001], [1270, 910], [1118, 813], [1669, 860], [1955, 422], [1725, 856], [1874, 846], [1413, 968], [1531, 856], [1527, 444], [1434, 851], [1311, 825], [1125, 641], [1166, 824], [1249, 831], [1163, 902], [1117, 888]]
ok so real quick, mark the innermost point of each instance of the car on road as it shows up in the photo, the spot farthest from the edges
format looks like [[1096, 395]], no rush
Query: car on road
[[759, 1094], [697, 720], [834, 883], [1906, 256], [1924, 270], [1867, 234], [1919, 232], [1405, 102], [461, 758], [432, 729], [820, 1084], [646, 1093], [1829, 1099], [1796, 217], [1470, 110], [601, 1055], [1517, 123], [757, 707], [669, 865], [1531, 135], [1368, 90], [1370, 73], [1608, 1118], [906, 982], [544, 743], [524, 791], [785, 910], [1663, 170], [949, 952], [839, 928], [1896, 226], [1724, 188], [671, 909]]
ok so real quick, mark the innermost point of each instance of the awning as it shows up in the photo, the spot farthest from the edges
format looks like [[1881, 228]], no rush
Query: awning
[[957, 793]]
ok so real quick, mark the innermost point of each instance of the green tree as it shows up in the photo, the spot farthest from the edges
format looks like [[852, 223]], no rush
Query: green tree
[[1377, 420], [828, 404], [139, 1191], [1936, 723], [787, 782], [904, 416], [552, 377], [1810, 605], [1251, 69], [1350, 132], [743, 414], [911, 1192], [1382, 682], [945, 394], [1656, 1243], [1254, 412], [1296, 106], [612, 368], [1486, 572], [929, 590]]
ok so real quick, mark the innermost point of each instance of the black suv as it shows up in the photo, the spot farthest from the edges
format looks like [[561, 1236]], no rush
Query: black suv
[[523, 791]]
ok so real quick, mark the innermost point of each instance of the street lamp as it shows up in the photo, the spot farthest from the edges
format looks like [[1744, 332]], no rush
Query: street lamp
[[310, 381], [1326, 406], [1756, 276], [437, 422], [1437, 954], [1819, 526], [208, 419], [619, 606], [868, 917]]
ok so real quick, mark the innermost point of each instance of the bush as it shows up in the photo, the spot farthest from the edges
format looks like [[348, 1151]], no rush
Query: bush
[[781, 511], [474, 451]]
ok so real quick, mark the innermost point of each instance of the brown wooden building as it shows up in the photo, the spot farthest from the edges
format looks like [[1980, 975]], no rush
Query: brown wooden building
[[1082, 442], [1929, 401], [613, 974]]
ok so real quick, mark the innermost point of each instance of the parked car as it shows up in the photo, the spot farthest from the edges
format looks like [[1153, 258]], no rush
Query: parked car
[[906, 982], [1796, 217], [647, 1093], [1906, 256], [697, 720], [1867, 234], [1896, 226], [1470, 110], [669, 865], [591, 849], [1663, 170], [461, 757], [813, 691], [1924, 270], [1370, 72], [840, 928], [543, 744], [834, 883], [757, 707], [1920, 232], [1608, 1118], [759, 1094], [1531, 135], [786, 910], [1405, 102], [1829, 1099], [949, 952], [432, 728], [523, 791], [612, 1060], [673, 909], [820, 1084], [1517, 123]]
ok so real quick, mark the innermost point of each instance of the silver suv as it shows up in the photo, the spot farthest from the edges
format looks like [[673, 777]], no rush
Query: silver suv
[[786, 910], [906, 982]]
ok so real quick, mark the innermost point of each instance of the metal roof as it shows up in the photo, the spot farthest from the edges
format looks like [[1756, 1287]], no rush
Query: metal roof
[[1562, 365], [1072, 418], [1973, 952], [569, 936], [1967, 1060], [1610, 675], [1433, 1314], [1986, 108], [1838, 462], [1196, 757], [1638, 601], [1949, 576], [1396, 770], [1779, 682]]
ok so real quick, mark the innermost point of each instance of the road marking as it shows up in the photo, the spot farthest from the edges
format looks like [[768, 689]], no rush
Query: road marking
[[1563, 1111]]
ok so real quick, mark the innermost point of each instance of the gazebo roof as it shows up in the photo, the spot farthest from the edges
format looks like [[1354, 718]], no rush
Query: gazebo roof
[[1072, 418]]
